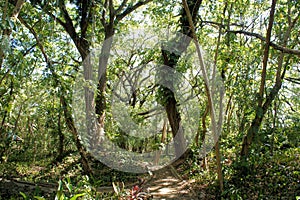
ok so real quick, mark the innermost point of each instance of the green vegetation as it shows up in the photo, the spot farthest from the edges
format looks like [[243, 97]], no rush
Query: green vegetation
[[251, 55]]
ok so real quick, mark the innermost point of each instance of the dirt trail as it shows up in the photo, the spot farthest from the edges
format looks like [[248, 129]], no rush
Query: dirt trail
[[167, 184]]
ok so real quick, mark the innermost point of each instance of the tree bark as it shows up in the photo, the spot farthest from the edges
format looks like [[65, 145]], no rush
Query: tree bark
[[255, 125], [170, 60], [102, 76], [204, 130], [80, 40], [61, 139], [109, 22]]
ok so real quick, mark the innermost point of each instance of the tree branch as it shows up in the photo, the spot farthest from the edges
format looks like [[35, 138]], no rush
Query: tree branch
[[293, 80], [218, 24], [17, 8], [272, 44], [130, 9], [23, 55], [68, 24], [288, 103], [69, 28], [266, 55], [41, 47], [123, 4], [85, 14], [111, 12], [208, 92]]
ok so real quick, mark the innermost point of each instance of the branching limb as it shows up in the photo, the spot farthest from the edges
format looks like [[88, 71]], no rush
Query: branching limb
[[123, 4], [293, 80], [111, 11], [41, 47], [272, 44], [266, 55], [130, 9], [85, 15], [17, 8], [68, 24]]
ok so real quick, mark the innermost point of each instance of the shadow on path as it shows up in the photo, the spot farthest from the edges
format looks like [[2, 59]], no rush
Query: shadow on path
[[167, 184]]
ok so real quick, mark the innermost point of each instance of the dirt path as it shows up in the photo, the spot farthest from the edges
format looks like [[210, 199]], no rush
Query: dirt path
[[167, 184]]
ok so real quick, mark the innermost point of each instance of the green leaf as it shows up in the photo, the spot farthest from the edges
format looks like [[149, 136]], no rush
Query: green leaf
[[39, 198], [69, 184], [60, 186], [59, 193], [77, 195], [24, 195]]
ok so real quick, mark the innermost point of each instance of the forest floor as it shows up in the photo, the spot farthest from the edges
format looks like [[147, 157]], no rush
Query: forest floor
[[164, 184], [268, 177]]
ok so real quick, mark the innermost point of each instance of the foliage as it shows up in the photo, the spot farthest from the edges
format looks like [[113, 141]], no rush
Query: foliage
[[41, 57]]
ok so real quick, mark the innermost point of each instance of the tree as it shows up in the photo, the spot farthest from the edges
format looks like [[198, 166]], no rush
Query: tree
[[7, 82], [170, 59], [263, 106], [83, 19]]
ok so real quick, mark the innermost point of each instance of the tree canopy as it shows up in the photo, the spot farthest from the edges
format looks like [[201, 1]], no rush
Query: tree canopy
[[224, 111]]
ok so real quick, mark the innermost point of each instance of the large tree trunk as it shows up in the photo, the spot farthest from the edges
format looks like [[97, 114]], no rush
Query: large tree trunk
[[175, 123], [102, 76], [170, 59]]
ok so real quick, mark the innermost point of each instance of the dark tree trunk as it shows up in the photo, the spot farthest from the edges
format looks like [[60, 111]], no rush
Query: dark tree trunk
[[61, 139], [171, 59], [70, 123], [256, 122], [175, 123], [263, 107], [203, 135], [102, 76]]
